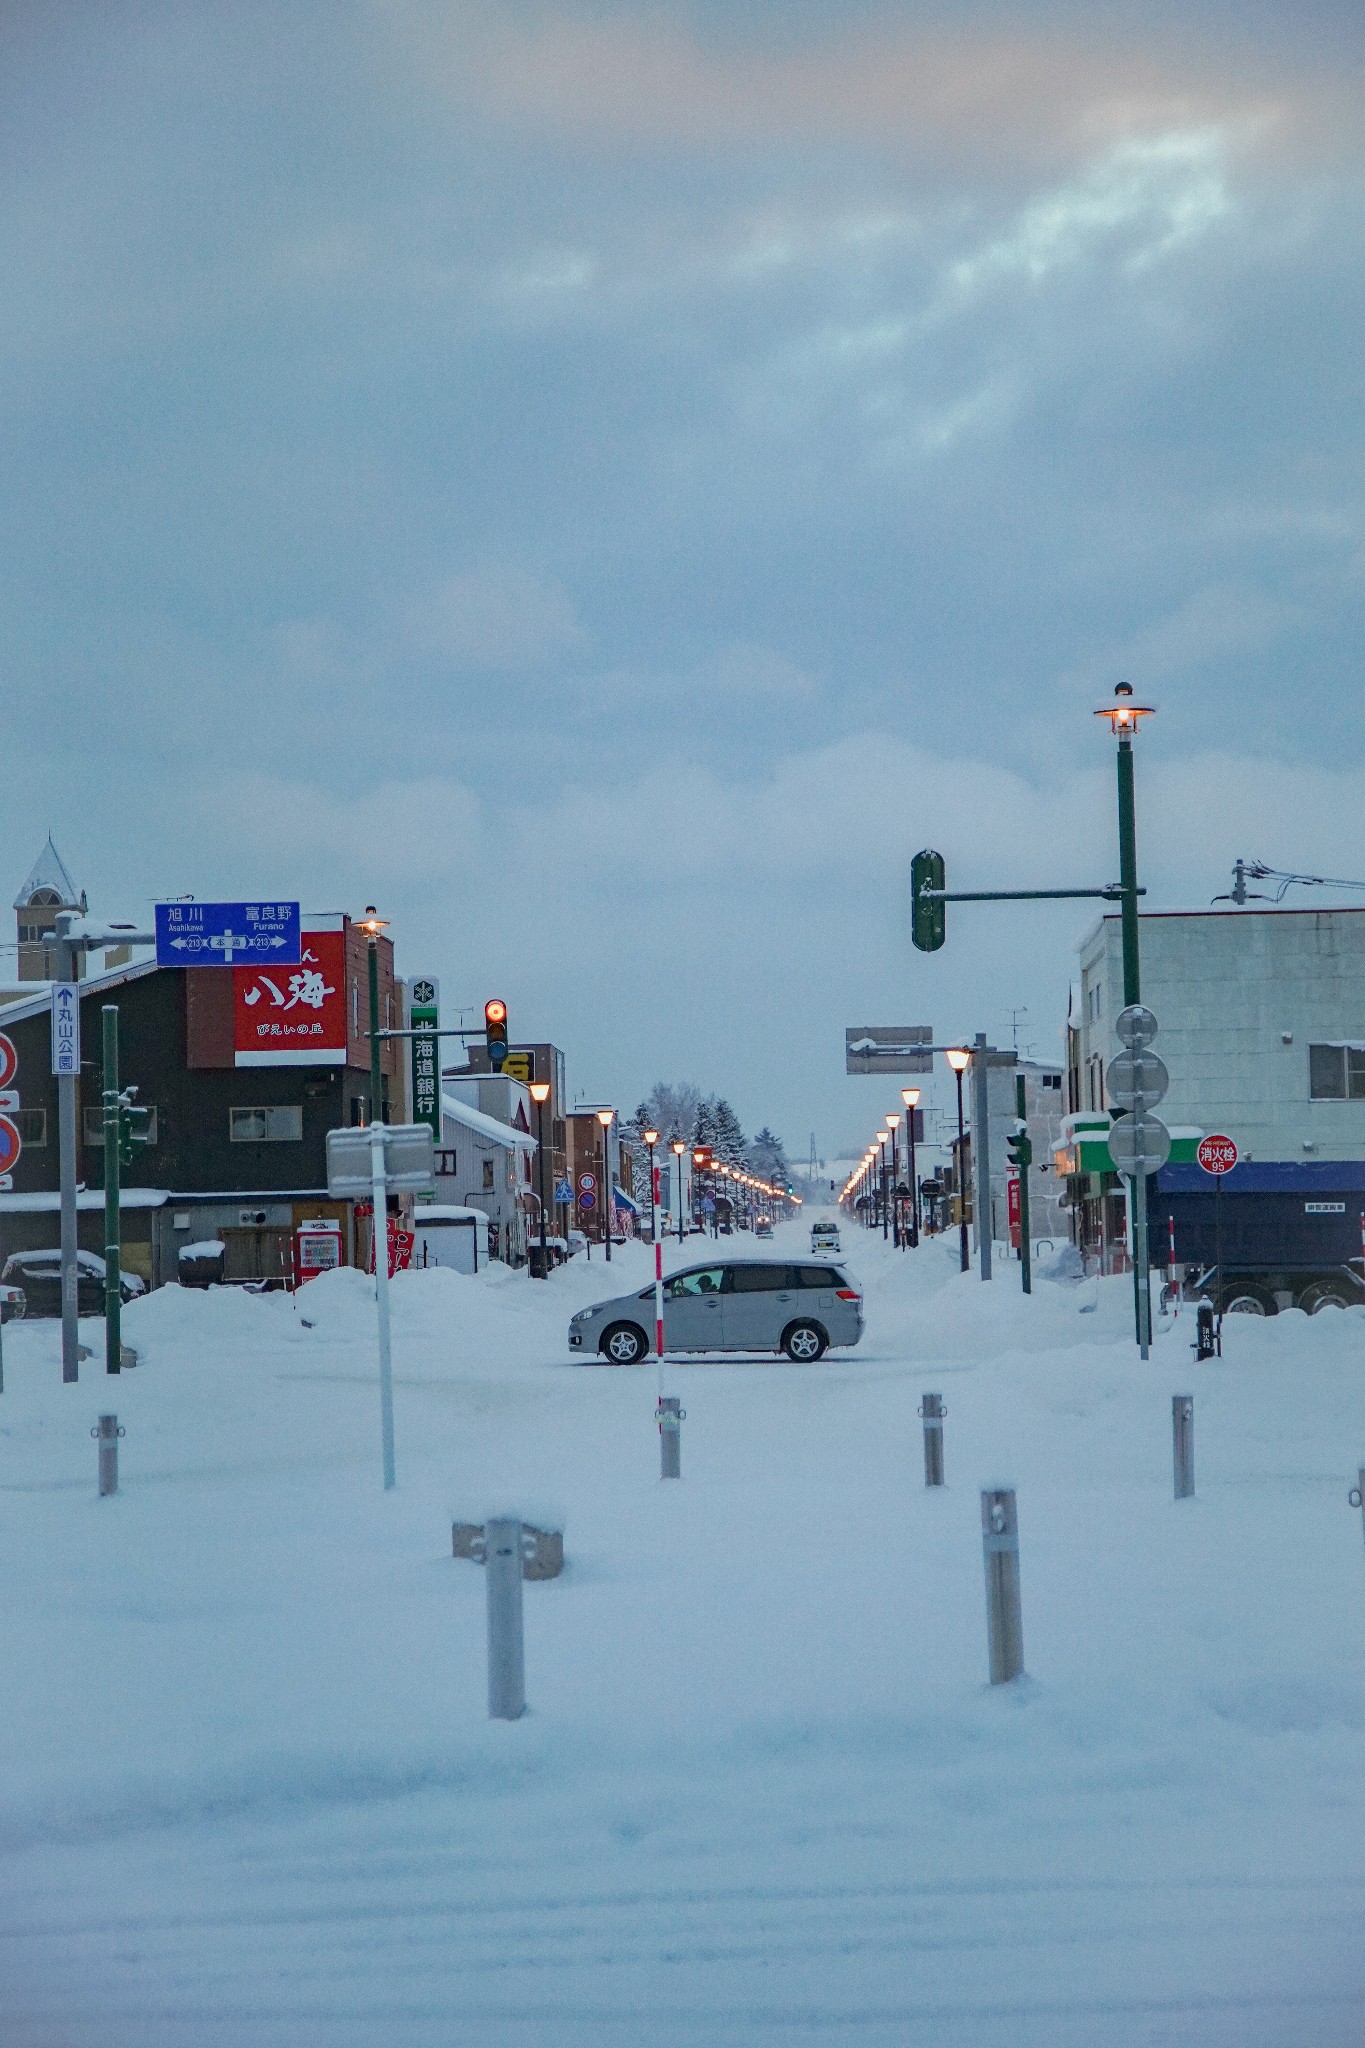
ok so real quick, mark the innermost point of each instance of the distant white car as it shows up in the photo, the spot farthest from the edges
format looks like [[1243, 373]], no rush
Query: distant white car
[[824, 1237]]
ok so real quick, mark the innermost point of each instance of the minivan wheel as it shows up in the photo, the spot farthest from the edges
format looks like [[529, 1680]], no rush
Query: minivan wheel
[[623, 1344], [804, 1343]]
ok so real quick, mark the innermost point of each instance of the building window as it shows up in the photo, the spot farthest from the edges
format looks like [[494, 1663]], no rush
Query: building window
[[1336, 1073], [92, 1124], [447, 1162], [276, 1126], [488, 1176], [31, 1125]]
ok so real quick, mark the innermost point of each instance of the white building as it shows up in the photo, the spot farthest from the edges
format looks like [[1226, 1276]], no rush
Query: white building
[[1262, 1016], [484, 1157]]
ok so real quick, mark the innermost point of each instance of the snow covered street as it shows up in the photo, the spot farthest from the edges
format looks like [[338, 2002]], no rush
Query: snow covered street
[[763, 1792]]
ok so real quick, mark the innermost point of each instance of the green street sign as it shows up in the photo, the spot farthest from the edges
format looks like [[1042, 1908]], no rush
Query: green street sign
[[424, 1017], [927, 916]]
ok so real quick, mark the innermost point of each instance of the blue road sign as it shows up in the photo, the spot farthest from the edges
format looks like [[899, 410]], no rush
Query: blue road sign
[[563, 1192], [587, 1200], [227, 934], [708, 1205]]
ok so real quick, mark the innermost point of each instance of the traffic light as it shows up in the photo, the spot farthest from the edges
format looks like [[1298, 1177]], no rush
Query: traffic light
[[495, 1032], [927, 916], [1021, 1147], [133, 1127]]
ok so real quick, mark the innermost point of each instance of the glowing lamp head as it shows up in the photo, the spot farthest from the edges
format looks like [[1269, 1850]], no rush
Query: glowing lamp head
[[1123, 714], [678, 1146], [606, 1117], [893, 1122], [651, 1139], [910, 1096], [540, 1091], [959, 1059], [372, 923]]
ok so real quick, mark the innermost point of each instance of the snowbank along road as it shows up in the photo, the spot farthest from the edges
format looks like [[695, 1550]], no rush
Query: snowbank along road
[[763, 1792]]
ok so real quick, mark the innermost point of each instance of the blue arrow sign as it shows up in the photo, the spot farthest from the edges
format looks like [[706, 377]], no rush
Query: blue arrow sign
[[227, 934]]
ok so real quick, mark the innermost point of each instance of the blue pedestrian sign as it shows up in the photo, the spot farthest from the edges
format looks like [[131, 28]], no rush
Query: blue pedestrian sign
[[563, 1191], [227, 934], [708, 1205]]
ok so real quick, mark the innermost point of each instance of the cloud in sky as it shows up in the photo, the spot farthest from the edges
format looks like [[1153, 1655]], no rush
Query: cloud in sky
[[614, 480]]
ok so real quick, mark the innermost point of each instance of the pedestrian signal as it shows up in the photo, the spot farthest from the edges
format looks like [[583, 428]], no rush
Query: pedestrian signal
[[927, 918]]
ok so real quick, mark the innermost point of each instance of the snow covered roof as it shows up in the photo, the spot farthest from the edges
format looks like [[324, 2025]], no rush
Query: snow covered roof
[[444, 1212], [43, 1201], [39, 995], [485, 1126], [48, 872]]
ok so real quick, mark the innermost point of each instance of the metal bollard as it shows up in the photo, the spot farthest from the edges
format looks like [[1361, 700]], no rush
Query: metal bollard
[[1357, 1494], [933, 1411], [1182, 1444], [1206, 1343], [108, 1434], [506, 1641], [1004, 1615], [671, 1414]]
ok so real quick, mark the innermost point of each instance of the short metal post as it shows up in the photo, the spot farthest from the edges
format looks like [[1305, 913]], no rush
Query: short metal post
[[1004, 1615], [506, 1643], [670, 1413], [933, 1411], [107, 1435], [1357, 1494], [1182, 1443]]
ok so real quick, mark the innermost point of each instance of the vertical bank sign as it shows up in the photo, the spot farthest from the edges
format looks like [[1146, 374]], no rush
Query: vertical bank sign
[[294, 1016], [424, 1017]]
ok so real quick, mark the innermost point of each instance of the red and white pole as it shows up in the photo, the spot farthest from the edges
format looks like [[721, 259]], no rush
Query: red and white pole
[[658, 1264]]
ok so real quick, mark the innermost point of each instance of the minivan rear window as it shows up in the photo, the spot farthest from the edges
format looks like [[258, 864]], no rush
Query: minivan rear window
[[818, 1276]]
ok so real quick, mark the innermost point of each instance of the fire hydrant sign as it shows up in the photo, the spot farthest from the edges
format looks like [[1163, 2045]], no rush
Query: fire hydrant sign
[[1217, 1154], [226, 934], [293, 1016]]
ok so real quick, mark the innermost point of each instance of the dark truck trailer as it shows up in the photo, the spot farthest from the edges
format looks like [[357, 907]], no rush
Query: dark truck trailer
[[1290, 1230]]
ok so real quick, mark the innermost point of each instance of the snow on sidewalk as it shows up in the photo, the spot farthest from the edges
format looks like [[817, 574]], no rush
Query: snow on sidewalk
[[249, 1794]]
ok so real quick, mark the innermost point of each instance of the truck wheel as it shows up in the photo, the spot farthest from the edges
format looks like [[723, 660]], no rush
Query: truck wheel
[[624, 1344], [1321, 1295], [1245, 1305]]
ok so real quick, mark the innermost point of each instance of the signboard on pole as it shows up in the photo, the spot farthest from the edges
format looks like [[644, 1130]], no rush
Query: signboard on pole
[[563, 1191], [1217, 1154], [9, 1061], [409, 1159], [424, 1017], [227, 934], [888, 1049], [293, 1015], [66, 1028], [1139, 1145], [10, 1146]]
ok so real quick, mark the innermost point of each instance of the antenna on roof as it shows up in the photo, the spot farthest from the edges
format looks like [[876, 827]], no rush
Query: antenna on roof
[[1244, 871]]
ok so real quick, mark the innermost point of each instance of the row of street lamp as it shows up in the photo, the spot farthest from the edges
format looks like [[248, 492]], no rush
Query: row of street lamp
[[875, 1163]]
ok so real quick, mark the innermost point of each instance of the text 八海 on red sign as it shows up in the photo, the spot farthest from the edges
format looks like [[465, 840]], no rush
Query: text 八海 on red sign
[[293, 1016]]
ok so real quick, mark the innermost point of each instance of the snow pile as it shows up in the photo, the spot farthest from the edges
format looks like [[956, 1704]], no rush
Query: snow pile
[[249, 1793]]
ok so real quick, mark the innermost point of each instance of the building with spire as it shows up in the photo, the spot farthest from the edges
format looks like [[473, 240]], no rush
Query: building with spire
[[46, 889]]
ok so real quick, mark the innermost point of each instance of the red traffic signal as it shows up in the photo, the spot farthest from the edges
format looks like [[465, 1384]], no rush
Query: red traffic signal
[[495, 1033]]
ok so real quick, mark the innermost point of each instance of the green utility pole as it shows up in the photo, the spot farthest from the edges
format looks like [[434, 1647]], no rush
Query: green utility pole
[[1022, 1152], [1124, 727], [113, 1288]]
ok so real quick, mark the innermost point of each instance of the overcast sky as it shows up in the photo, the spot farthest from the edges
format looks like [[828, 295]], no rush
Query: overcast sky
[[608, 483]]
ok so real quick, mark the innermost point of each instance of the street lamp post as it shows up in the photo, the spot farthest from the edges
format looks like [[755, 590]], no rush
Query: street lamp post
[[959, 1059], [651, 1140], [540, 1092], [1124, 715], [606, 1117], [910, 1097], [677, 1148], [892, 1122], [882, 1137]]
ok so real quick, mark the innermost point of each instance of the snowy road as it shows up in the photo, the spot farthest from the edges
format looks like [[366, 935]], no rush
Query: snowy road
[[249, 1794]]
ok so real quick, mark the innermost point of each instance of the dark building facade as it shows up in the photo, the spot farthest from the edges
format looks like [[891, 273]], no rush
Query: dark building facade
[[235, 1152]]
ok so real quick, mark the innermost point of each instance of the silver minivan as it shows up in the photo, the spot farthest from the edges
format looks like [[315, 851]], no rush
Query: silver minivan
[[730, 1305]]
